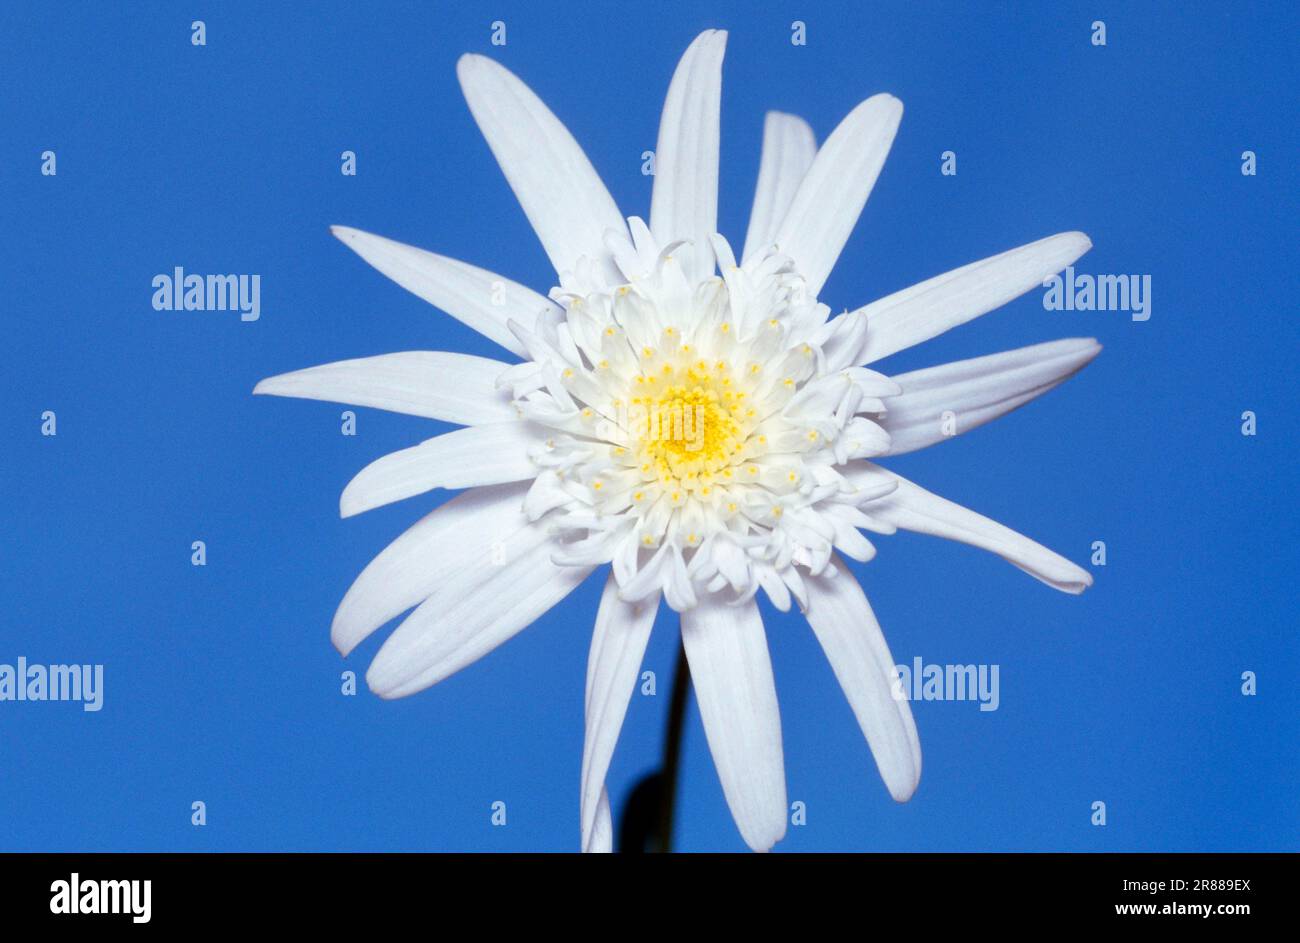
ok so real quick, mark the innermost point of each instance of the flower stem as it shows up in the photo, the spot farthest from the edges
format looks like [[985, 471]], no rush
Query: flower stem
[[672, 751]]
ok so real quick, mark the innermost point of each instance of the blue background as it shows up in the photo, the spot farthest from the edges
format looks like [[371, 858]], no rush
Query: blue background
[[221, 684]]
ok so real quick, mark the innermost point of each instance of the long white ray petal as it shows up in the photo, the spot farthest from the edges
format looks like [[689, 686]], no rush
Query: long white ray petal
[[474, 296], [468, 532], [684, 203], [491, 454], [601, 839], [789, 147], [560, 192], [847, 629], [923, 311], [911, 507], [732, 675], [474, 610], [977, 391], [617, 646], [457, 388], [828, 202]]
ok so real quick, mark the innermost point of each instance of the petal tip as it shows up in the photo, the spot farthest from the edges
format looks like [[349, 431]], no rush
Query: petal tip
[[349, 506], [903, 792], [1080, 241]]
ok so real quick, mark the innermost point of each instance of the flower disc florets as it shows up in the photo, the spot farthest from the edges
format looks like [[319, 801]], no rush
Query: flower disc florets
[[697, 427]]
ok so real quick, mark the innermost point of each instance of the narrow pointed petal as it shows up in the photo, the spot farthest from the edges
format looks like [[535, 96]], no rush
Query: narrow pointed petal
[[601, 839], [788, 151], [908, 317], [476, 297], [491, 454], [684, 203], [847, 629], [617, 646], [560, 192], [732, 675], [828, 202], [978, 390], [463, 533], [457, 388], [474, 609], [911, 507]]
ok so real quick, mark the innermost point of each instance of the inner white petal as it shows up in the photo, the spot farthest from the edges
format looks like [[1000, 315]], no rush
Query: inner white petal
[[695, 427]]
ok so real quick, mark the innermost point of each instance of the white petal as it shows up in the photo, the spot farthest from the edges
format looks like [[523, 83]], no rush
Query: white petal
[[491, 454], [617, 647], [827, 204], [460, 534], [684, 203], [978, 390], [474, 296], [788, 151], [474, 610], [457, 388], [559, 190], [911, 507], [732, 675], [916, 314], [601, 839], [847, 629]]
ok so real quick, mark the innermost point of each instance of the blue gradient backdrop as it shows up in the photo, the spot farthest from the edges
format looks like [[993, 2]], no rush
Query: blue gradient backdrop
[[221, 684]]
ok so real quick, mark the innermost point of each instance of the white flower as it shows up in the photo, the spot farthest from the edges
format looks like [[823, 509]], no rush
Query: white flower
[[706, 436]]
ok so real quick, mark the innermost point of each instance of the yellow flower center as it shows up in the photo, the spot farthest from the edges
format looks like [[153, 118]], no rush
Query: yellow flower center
[[689, 422]]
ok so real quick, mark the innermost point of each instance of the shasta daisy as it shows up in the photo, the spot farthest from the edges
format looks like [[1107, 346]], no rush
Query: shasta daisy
[[694, 418]]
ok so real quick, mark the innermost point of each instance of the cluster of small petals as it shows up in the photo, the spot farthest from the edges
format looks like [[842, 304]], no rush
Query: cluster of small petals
[[696, 428]]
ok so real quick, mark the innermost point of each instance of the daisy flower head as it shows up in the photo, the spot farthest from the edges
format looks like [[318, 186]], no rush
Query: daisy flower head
[[694, 418]]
